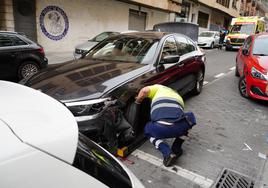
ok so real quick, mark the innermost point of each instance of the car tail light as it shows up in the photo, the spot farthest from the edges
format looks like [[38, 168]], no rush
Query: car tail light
[[41, 50]]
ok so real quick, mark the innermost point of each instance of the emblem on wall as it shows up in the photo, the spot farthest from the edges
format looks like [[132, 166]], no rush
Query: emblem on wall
[[54, 22]]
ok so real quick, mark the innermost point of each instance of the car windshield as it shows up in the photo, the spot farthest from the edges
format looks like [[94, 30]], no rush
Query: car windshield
[[260, 46], [93, 160], [243, 29], [100, 37], [125, 48], [206, 34]]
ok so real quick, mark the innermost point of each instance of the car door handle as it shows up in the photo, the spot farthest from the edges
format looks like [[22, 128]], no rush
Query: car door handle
[[181, 65]]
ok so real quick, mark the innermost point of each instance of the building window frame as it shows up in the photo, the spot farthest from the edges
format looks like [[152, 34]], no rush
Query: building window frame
[[225, 3]]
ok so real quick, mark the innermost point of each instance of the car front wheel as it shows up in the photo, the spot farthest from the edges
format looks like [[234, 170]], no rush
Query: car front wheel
[[212, 45], [236, 71], [27, 69], [199, 83], [242, 86]]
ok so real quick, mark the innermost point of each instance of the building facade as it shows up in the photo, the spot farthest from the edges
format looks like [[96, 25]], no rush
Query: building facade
[[209, 14], [59, 25]]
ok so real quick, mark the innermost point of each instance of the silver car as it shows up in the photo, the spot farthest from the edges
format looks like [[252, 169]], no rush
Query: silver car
[[86, 46]]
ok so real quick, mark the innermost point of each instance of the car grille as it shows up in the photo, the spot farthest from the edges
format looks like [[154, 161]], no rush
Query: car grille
[[237, 40]]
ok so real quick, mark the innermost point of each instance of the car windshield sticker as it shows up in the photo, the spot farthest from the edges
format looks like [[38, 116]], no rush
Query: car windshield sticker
[[54, 22]]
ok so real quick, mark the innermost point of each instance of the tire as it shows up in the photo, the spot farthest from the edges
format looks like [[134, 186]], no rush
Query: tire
[[212, 45], [236, 71], [199, 83], [27, 68], [242, 86]]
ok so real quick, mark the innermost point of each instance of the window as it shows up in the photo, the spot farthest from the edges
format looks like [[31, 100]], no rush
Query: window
[[10, 40], [224, 3], [96, 162], [260, 46], [169, 48], [17, 41], [5, 41], [247, 43], [184, 46], [202, 19], [234, 4]]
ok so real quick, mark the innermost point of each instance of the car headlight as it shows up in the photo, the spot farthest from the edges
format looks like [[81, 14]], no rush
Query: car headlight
[[86, 110], [257, 74]]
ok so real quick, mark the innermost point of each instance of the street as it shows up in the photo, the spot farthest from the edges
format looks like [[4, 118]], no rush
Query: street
[[230, 134]]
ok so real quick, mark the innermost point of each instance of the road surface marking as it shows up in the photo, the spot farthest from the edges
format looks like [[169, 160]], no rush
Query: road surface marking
[[205, 83], [233, 68], [219, 75], [196, 178]]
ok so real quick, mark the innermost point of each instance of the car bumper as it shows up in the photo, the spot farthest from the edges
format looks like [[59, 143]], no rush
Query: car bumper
[[233, 46], [204, 44], [257, 89], [44, 63]]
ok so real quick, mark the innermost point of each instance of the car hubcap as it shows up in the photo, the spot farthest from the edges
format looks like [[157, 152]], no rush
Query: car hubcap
[[199, 81], [243, 87], [28, 70]]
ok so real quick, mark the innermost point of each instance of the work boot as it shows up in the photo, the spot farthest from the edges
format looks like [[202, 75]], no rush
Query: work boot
[[176, 146], [169, 160]]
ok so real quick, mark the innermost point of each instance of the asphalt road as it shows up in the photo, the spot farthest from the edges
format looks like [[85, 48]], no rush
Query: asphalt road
[[230, 134]]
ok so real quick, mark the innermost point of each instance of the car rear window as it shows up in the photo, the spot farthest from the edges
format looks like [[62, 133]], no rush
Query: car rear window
[[93, 160]]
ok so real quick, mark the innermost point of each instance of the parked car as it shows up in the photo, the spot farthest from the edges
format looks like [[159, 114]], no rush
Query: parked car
[[100, 88], [252, 67], [208, 39], [86, 46], [41, 147], [19, 56]]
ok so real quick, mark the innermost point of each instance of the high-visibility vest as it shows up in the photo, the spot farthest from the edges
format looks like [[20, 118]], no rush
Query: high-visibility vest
[[166, 104]]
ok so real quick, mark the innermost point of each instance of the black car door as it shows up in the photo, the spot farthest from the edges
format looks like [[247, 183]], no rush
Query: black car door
[[167, 74], [189, 63]]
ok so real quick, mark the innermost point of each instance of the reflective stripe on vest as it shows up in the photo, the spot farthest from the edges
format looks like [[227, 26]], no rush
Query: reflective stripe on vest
[[166, 108]]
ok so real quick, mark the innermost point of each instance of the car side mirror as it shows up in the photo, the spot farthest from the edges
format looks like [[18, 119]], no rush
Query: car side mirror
[[169, 59], [245, 51]]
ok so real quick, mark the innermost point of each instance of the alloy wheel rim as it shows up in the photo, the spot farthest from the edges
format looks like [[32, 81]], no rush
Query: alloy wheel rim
[[199, 81], [28, 70], [243, 87]]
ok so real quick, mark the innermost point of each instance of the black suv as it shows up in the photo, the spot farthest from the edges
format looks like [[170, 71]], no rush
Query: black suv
[[19, 56]]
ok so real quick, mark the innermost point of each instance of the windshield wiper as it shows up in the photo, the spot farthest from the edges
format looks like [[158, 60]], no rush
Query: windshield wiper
[[261, 54]]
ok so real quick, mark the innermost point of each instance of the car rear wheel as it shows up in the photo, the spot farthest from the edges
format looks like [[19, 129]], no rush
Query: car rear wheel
[[27, 69], [199, 83], [242, 86]]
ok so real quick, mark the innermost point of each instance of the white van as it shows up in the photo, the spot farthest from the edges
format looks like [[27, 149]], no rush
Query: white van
[[41, 147]]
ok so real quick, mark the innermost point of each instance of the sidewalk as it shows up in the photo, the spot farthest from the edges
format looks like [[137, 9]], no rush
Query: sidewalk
[[59, 57], [264, 178]]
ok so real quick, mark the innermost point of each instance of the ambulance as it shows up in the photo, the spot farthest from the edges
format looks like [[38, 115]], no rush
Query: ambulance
[[241, 28]]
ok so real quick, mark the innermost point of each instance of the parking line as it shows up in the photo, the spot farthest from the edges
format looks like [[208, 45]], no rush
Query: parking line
[[219, 75], [196, 178], [233, 68]]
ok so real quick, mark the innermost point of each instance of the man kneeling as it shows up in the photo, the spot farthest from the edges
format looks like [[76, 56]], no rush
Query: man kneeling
[[168, 120]]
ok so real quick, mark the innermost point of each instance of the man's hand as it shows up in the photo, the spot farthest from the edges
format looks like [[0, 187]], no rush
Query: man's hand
[[143, 93]]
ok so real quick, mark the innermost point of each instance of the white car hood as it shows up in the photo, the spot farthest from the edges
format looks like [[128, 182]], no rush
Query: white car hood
[[205, 39], [39, 120]]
